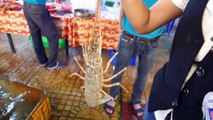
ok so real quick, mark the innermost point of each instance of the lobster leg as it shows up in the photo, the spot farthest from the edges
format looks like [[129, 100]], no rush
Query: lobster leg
[[115, 84], [79, 65], [82, 88], [77, 75], [108, 63], [106, 80], [111, 98]]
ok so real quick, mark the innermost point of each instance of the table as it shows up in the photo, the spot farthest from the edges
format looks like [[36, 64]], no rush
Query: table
[[76, 30], [15, 95], [14, 22]]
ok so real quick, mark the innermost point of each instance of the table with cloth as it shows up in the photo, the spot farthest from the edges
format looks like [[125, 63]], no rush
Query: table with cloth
[[82, 28], [76, 30]]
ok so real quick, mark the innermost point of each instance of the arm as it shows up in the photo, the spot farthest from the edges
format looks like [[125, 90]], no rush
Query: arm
[[146, 20]]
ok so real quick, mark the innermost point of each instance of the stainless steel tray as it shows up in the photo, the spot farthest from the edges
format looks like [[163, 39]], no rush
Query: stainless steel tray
[[82, 13]]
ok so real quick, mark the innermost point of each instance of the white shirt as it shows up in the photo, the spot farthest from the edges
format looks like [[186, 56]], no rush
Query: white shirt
[[207, 29]]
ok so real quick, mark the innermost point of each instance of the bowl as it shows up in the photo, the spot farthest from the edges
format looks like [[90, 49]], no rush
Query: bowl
[[82, 13]]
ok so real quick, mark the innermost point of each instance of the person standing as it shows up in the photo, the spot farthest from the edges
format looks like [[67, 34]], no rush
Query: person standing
[[40, 23], [180, 85], [131, 44]]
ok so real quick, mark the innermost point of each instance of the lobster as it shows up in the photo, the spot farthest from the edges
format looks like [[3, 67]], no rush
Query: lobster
[[94, 80]]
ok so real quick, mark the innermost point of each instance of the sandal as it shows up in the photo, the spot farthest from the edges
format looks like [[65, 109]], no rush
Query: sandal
[[137, 111], [108, 108]]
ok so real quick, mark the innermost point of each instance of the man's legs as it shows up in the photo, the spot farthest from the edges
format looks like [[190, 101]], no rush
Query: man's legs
[[146, 58], [126, 50], [49, 29], [36, 37], [42, 19]]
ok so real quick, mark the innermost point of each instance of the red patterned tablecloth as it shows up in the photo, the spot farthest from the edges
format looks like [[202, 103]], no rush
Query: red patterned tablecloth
[[82, 29], [76, 30], [14, 22]]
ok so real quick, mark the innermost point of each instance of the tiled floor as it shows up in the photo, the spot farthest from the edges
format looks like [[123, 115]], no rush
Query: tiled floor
[[67, 99]]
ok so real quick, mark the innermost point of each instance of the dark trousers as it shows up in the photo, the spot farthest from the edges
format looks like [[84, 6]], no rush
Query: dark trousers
[[40, 22], [130, 46]]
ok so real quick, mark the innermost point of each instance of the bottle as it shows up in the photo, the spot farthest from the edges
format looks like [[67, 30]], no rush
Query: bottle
[[209, 112], [207, 106]]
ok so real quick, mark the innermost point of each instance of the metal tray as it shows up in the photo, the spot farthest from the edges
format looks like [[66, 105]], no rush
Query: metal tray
[[82, 13]]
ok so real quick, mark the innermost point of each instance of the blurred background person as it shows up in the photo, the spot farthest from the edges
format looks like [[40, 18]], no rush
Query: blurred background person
[[40, 23]]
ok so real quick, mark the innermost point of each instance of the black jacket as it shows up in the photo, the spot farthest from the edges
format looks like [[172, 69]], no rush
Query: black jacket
[[166, 89]]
